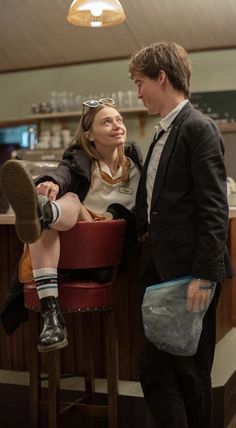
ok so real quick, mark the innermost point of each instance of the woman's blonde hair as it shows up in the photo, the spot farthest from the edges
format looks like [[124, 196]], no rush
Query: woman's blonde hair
[[81, 141]]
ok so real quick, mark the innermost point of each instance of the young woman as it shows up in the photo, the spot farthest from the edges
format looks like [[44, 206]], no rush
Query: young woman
[[97, 179]]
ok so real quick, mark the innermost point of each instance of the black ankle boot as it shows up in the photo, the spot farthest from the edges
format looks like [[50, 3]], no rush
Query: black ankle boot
[[54, 333]]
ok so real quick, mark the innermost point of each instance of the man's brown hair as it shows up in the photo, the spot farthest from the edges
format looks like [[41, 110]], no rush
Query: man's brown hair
[[167, 56]]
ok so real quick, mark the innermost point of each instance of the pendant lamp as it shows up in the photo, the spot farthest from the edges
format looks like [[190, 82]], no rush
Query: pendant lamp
[[96, 13]]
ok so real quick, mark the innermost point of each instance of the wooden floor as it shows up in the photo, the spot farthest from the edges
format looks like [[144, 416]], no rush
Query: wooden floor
[[15, 384]]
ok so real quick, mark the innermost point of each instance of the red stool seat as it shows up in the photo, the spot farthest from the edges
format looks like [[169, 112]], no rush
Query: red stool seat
[[75, 296]]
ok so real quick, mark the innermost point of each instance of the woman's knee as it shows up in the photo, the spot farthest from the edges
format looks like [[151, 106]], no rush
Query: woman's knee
[[69, 206], [69, 202], [70, 196]]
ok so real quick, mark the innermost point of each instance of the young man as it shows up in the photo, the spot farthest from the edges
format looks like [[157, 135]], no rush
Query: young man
[[182, 216]]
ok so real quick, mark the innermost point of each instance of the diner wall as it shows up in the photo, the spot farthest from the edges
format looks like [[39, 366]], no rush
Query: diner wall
[[211, 71]]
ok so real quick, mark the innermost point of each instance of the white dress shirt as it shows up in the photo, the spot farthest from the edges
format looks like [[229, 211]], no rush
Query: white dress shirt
[[165, 124]]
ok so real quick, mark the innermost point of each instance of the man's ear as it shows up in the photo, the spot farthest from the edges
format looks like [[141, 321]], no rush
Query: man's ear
[[162, 76]]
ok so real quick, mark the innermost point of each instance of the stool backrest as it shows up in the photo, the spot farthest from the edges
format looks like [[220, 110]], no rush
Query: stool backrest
[[92, 244]]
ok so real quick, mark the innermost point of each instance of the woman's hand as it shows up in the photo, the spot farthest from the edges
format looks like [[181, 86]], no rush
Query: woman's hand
[[199, 294], [49, 189]]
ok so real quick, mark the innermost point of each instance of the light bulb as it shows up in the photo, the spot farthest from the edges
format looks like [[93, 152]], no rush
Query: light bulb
[[96, 24], [96, 10]]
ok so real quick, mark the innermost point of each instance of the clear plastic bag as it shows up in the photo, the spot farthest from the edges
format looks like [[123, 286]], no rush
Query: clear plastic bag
[[167, 322]]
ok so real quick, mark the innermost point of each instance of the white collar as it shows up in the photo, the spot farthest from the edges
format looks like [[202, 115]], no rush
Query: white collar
[[166, 122]]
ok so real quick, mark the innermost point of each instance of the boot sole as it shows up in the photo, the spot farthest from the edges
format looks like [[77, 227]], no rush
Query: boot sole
[[21, 193], [54, 347]]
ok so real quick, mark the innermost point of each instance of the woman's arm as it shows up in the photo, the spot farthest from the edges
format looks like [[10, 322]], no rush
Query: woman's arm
[[61, 181]]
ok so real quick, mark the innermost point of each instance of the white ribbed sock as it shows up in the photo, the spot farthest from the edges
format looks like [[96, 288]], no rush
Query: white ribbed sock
[[56, 212], [46, 282]]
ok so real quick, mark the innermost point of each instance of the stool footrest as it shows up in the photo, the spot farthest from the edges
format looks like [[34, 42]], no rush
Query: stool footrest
[[97, 410]]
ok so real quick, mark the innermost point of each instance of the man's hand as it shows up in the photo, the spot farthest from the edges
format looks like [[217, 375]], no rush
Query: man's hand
[[199, 295], [49, 189]]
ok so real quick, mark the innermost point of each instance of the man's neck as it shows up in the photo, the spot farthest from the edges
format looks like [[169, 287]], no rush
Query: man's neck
[[170, 103]]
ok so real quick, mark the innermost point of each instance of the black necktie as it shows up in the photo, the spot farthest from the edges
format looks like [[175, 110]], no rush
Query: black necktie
[[155, 139], [141, 200]]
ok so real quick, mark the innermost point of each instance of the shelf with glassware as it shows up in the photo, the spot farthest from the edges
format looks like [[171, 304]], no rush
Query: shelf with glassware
[[55, 130], [141, 112], [63, 115]]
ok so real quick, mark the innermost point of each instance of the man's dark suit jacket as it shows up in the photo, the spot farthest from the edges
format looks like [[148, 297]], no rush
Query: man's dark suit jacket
[[189, 210]]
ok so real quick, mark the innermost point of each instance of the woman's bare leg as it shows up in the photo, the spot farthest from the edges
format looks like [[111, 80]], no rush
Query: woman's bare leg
[[45, 251], [45, 254], [33, 212], [71, 210]]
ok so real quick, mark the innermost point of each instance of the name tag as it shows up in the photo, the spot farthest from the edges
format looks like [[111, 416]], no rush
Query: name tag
[[126, 190]]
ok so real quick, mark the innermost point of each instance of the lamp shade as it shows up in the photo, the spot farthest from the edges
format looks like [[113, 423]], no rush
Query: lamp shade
[[96, 13]]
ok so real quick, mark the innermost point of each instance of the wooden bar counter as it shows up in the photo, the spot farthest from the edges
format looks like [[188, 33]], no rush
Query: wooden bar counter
[[13, 349]]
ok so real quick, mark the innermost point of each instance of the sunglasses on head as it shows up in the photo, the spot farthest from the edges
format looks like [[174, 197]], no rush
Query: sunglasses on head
[[94, 104]]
